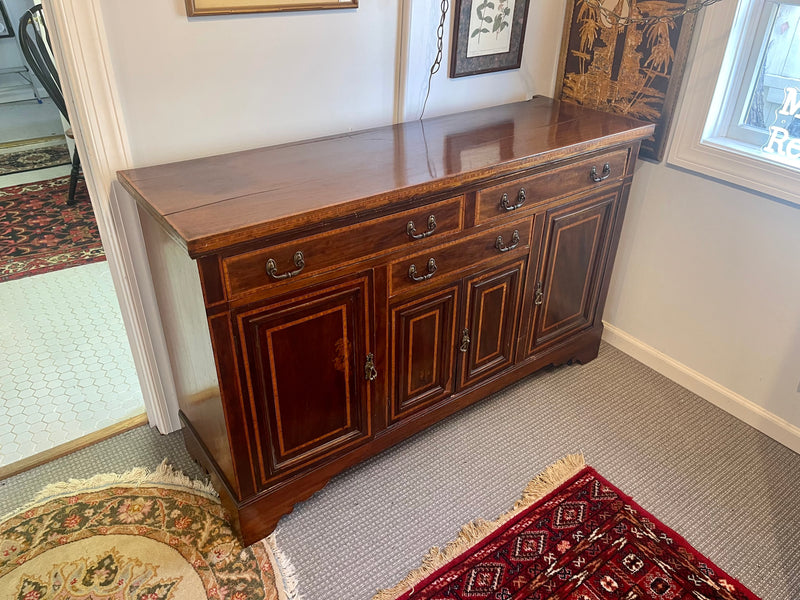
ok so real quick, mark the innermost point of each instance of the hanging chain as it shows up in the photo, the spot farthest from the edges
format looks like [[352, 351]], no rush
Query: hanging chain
[[622, 21], [437, 62]]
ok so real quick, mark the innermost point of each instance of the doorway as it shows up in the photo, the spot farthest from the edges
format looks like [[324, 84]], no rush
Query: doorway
[[67, 376]]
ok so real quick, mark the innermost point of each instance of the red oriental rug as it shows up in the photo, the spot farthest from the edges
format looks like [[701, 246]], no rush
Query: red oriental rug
[[41, 233], [585, 540]]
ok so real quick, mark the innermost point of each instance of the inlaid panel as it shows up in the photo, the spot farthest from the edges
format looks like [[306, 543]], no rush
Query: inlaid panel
[[305, 370], [422, 353], [575, 250], [492, 302]]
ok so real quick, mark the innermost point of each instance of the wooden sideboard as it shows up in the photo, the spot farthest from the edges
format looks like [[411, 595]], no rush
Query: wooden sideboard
[[325, 299]]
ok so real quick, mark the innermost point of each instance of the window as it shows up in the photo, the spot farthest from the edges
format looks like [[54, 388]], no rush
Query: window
[[740, 116], [762, 92]]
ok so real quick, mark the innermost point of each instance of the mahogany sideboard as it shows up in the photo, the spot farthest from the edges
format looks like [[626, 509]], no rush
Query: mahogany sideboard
[[325, 299]]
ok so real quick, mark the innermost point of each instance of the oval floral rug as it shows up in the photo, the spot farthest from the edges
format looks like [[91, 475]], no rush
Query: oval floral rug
[[137, 536]]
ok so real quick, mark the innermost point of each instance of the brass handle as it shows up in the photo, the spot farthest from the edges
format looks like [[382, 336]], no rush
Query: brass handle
[[514, 242], [539, 295], [412, 232], [299, 262], [370, 372], [465, 340], [412, 271], [520, 200], [598, 178]]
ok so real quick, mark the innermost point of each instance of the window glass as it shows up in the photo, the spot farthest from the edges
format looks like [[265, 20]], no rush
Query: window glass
[[762, 95]]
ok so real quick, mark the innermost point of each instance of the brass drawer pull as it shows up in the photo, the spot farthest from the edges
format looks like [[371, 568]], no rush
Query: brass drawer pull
[[299, 262], [598, 178], [514, 242], [412, 231], [370, 372], [412, 271], [538, 297], [520, 200]]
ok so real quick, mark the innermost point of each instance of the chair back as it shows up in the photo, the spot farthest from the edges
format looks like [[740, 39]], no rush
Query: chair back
[[35, 42]]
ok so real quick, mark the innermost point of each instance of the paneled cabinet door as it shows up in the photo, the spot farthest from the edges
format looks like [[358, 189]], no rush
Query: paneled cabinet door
[[487, 343], [422, 353], [567, 288], [306, 362]]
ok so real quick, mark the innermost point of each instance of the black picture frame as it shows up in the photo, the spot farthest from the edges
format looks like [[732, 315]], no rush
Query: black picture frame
[[6, 29], [461, 64]]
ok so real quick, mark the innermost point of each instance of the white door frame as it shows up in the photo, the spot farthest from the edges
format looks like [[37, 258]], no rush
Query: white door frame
[[81, 53]]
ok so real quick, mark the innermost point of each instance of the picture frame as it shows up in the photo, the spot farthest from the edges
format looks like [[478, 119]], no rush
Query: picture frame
[[487, 36], [198, 8], [6, 28], [634, 70]]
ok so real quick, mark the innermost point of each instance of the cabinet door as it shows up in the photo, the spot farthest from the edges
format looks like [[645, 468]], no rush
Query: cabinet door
[[567, 289], [487, 342], [423, 338], [304, 362]]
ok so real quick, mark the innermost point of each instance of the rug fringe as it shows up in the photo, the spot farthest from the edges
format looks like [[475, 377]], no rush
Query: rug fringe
[[472, 533], [165, 475], [285, 573]]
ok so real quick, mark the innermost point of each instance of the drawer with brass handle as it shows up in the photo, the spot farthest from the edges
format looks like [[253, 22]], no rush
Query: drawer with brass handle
[[450, 259], [252, 271], [528, 192]]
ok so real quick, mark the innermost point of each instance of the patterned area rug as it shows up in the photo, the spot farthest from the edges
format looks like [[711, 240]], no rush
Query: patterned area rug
[[137, 536], [35, 158], [583, 540], [41, 233]]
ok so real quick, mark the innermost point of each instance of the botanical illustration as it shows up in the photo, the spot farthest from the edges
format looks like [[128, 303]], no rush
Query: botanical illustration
[[490, 27], [625, 69]]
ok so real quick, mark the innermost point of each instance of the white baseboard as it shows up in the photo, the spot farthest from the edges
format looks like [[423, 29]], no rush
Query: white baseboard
[[740, 407]]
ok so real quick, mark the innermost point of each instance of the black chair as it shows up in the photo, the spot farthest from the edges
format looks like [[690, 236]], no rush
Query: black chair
[[35, 42]]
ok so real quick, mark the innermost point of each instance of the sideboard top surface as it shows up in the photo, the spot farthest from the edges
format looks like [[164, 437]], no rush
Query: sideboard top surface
[[215, 202]]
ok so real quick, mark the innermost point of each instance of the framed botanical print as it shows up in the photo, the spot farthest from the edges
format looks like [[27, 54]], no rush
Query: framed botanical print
[[487, 36], [633, 67]]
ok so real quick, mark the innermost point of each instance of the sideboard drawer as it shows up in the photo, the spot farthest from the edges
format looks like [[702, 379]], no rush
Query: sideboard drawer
[[247, 273], [527, 192], [451, 259]]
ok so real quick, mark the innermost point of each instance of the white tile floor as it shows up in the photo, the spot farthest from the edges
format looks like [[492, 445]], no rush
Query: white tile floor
[[65, 365]]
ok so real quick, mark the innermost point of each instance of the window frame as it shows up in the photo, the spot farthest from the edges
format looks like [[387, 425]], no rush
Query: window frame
[[696, 143]]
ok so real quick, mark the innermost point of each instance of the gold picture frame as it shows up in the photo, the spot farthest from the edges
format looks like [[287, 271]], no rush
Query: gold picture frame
[[198, 8], [633, 70]]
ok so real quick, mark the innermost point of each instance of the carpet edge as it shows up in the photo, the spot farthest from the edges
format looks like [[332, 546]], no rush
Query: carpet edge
[[285, 573], [165, 475], [544, 483]]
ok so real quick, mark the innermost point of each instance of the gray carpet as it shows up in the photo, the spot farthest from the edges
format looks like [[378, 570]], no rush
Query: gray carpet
[[731, 491], [140, 447]]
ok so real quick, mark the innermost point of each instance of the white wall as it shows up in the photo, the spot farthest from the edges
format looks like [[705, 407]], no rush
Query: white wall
[[706, 289], [193, 87], [706, 274], [710, 276], [536, 76]]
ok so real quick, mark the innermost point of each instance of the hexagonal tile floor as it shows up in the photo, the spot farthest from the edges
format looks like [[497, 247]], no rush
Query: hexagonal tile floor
[[66, 368]]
